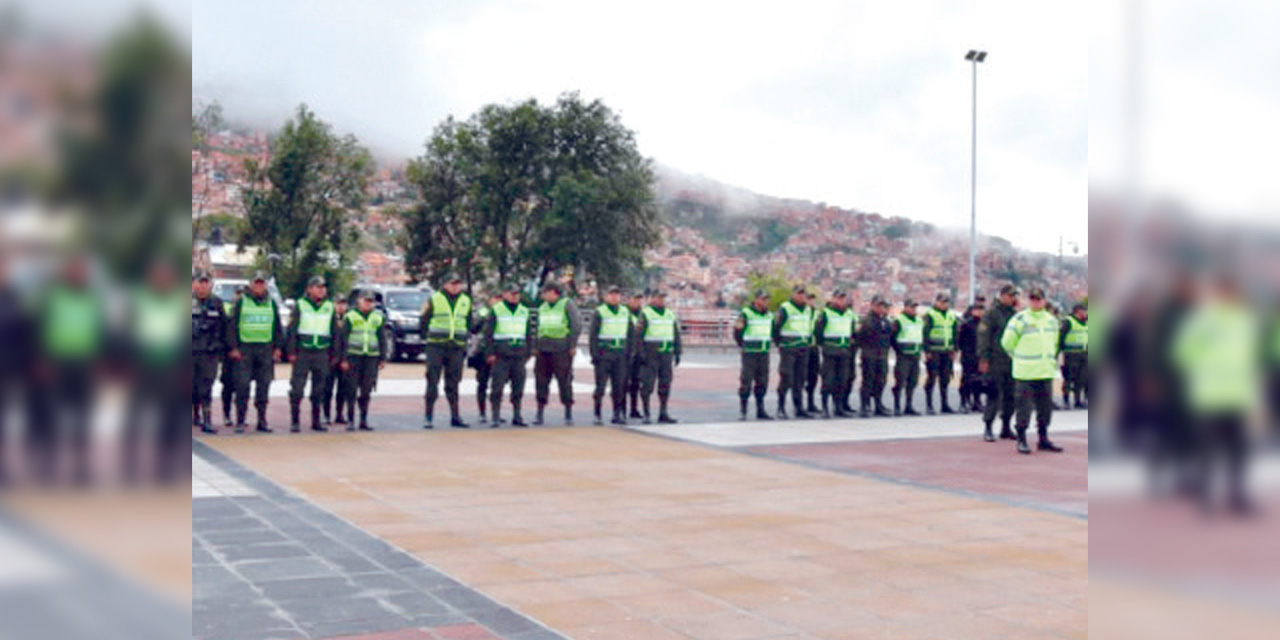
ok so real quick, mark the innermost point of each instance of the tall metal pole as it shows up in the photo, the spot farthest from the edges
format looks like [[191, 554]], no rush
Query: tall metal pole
[[973, 195]]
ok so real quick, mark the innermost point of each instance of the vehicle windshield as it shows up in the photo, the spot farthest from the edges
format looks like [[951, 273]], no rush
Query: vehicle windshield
[[225, 290], [405, 300]]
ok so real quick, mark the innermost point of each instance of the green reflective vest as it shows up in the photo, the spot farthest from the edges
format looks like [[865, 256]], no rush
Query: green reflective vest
[[363, 339], [315, 324], [257, 320], [910, 334], [1031, 340], [448, 323], [510, 326], [798, 327], [613, 326], [72, 328], [158, 324], [838, 329], [943, 329], [1077, 338], [660, 328], [757, 335], [1216, 350], [553, 320]]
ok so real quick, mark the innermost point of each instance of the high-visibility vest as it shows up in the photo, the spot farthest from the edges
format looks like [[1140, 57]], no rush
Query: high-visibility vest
[[1077, 338], [553, 320], [838, 329], [1216, 350], [448, 323], [1031, 340], [798, 327], [943, 329], [758, 332], [158, 325], [508, 326], [363, 338], [660, 328], [257, 320], [614, 326], [73, 324], [315, 324], [910, 334]]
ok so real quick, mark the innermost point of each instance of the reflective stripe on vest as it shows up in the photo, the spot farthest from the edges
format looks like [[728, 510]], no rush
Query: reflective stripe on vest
[[940, 335], [363, 338], [448, 322], [1077, 339], [508, 326], [798, 326], [838, 330], [758, 332], [553, 320], [614, 326], [315, 324], [660, 328], [257, 321], [910, 334]]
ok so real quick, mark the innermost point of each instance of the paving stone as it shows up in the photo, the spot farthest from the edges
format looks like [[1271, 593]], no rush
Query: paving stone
[[416, 604], [267, 570], [237, 553], [231, 523], [308, 588], [252, 536], [350, 627]]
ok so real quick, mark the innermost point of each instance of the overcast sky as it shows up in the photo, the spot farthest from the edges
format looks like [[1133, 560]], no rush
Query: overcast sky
[[863, 105]]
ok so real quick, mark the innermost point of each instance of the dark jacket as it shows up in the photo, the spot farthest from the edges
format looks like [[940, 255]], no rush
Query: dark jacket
[[233, 325], [990, 330], [15, 326], [875, 336], [967, 342], [208, 326]]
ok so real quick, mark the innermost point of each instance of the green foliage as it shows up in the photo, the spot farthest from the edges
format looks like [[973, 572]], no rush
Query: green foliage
[[777, 283], [298, 204]]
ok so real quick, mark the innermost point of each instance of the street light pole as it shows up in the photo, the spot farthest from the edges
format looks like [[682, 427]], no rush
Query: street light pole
[[975, 57]]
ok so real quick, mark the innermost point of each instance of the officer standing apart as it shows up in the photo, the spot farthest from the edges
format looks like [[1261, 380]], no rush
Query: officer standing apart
[[609, 340], [335, 380], [364, 331], [833, 332], [659, 332], [447, 323], [311, 351], [995, 364], [875, 339], [1073, 340], [754, 333], [557, 343], [476, 358], [940, 324], [967, 343], [208, 346], [793, 332], [908, 336], [635, 304], [256, 339], [506, 349], [1031, 340]]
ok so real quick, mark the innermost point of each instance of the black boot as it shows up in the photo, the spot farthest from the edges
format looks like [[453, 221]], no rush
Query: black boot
[[881, 411], [946, 401], [568, 415], [480, 404], [497, 416], [364, 415], [516, 420], [1023, 447], [537, 418], [1045, 444], [262, 420], [1006, 433], [742, 411], [782, 405], [987, 435], [635, 405], [812, 408], [664, 416], [928, 402], [897, 403], [341, 416], [619, 413], [598, 402], [911, 409], [455, 418], [761, 414], [645, 416], [866, 408], [826, 406], [798, 407], [294, 410], [427, 421], [316, 424], [206, 423]]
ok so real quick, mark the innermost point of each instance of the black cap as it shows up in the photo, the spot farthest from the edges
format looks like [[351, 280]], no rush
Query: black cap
[[316, 281], [839, 293], [800, 289], [452, 276], [1008, 290], [908, 303], [637, 294], [942, 297], [510, 286], [760, 293], [200, 276], [613, 289], [258, 275], [878, 299], [657, 293], [1078, 306], [1036, 292], [367, 294]]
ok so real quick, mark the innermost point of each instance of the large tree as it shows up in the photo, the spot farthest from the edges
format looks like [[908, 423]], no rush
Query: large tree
[[297, 205]]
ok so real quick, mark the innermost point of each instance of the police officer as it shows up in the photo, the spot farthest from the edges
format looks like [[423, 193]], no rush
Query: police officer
[[908, 336], [793, 332], [610, 343], [311, 350], [875, 338], [557, 343], [1073, 340], [15, 353], [940, 324], [754, 333], [967, 343], [507, 336], [833, 332], [477, 360], [995, 364], [364, 331], [635, 304], [208, 346], [1031, 340], [335, 380], [845, 394], [230, 367], [446, 322], [256, 339], [159, 362], [659, 338], [815, 358]]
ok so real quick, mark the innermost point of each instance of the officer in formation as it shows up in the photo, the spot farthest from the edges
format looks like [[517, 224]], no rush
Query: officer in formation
[[815, 358], [967, 342], [793, 333], [1031, 340], [336, 381], [658, 338], [996, 364], [446, 321], [940, 324], [312, 352], [753, 331], [556, 344], [230, 367], [256, 338], [833, 333], [15, 355], [476, 357], [1073, 340], [363, 332], [636, 306], [507, 336], [158, 364], [610, 339], [208, 347], [908, 336], [875, 339]]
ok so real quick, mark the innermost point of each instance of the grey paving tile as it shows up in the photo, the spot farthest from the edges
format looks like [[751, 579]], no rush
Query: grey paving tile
[[353, 627], [214, 575], [382, 583], [416, 604], [266, 570], [429, 579], [465, 600], [236, 553], [308, 588], [504, 621], [229, 523], [251, 536], [316, 610]]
